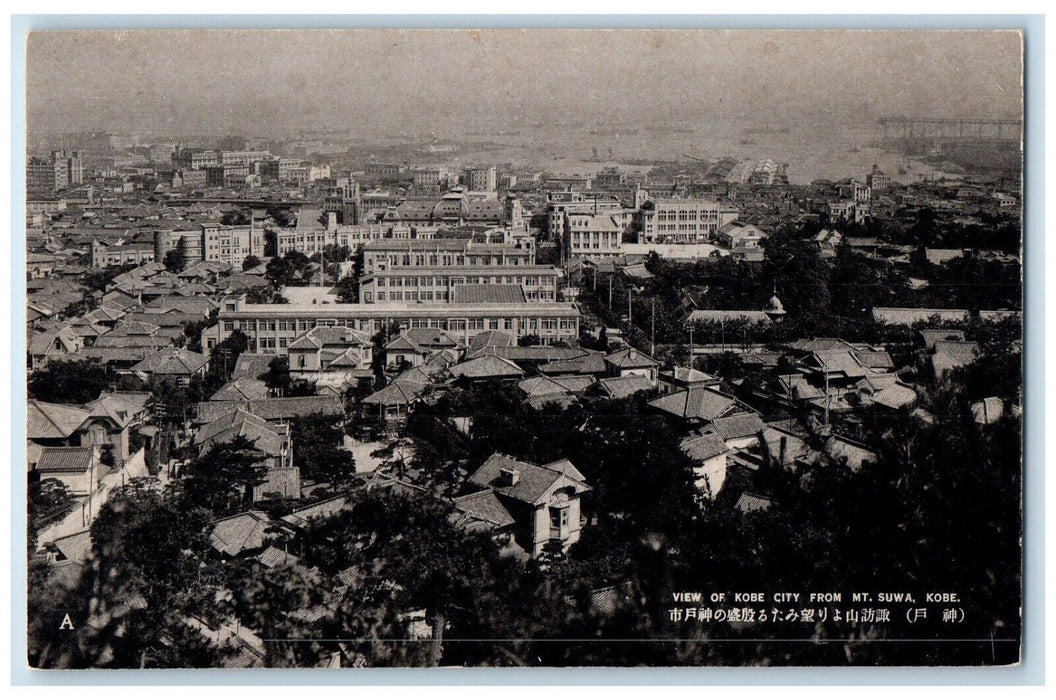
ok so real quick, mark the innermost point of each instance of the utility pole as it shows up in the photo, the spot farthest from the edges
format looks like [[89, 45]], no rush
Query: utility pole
[[652, 330], [630, 318], [691, 346], [789, 403], [610, 289], [826, 395]]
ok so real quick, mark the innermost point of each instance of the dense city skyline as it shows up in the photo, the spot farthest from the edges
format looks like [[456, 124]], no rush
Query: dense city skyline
[[274, 84], [523, 348]]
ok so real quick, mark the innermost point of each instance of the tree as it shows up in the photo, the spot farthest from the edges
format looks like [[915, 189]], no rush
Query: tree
[[799, 273], [281, 216], [222, 360], [250, 262], [271, 243], [348, 286], [98, 280], [347, 289], [69, 381], [173, 260], [291, 269], [318, 439], [148, 557], [603, 340], [222, 479], [278, 375], [412, 557], [263, 601], [855, 285], [192, 332], [234, 218], [47, 498]]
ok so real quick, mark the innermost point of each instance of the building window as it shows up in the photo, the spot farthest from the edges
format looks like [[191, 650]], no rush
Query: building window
[[558, 523]]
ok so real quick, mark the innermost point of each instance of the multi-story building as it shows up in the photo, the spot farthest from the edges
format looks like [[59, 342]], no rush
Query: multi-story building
[[331, 356], [312, 240], [246, 158], [188, 243], [430, 179], [683, 220], [862, 193], [379, 199], [193, 159], [232, 244], [429, 284], [480, 179], [75, 169], [877, 180], [188, 178], [229, 176], [284, 170], [273, 327], [387, 254], [454, 208], [592, 234], [229, 244], [610, 178], [560, 204], [161, 153], [135, 253], [568, 183], [344, 198], [848, 210], [383, 169], [45, 176]]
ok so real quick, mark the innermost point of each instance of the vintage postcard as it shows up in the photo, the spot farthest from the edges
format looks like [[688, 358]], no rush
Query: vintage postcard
[[524, 348]]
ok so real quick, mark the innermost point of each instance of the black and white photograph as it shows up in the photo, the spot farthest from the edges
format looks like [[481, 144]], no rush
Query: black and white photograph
[[523, 348]]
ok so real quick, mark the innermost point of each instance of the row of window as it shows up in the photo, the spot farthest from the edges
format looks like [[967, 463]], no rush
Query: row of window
[[531, 281], [687, 215], [442, 295], [449, 261], [255, 327], [583, 239], [707, 228]]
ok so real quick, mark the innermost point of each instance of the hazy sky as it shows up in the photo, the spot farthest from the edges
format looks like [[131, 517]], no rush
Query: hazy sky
[[374, 82]]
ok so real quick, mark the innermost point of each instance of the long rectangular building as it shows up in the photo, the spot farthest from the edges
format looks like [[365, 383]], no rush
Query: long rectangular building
[[272, 327], [391, 253], [429, 283], [311, 240]]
